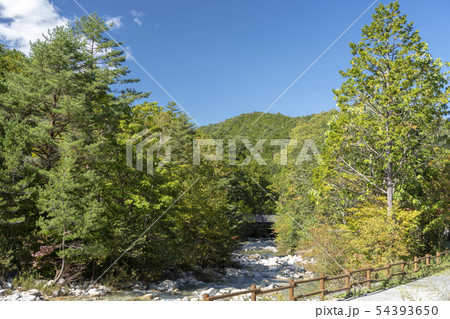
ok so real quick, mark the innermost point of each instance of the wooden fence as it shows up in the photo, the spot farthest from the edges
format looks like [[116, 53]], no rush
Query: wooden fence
[[366, 276]]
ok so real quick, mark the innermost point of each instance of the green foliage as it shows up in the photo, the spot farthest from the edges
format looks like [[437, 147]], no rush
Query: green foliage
[[391, 106], [377, 196], [369, 238], [69, 204], [253, 126], [389, 136], [294, 182], [245, 197], [70, 210]]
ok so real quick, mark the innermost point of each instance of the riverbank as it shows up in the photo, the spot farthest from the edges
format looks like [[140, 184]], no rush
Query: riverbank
[[257, 262]]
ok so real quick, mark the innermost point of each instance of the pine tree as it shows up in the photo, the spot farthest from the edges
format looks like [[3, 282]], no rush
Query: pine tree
[[70, 211]]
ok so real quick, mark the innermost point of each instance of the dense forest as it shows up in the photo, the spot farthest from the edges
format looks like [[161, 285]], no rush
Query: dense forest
[[71, 208]]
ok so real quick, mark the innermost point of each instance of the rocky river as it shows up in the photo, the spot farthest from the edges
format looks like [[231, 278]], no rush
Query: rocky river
[[257, 262]]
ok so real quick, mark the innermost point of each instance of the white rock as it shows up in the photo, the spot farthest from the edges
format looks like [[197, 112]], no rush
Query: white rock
[[13, 297], [94, 292], [104, 289], [211, 292], [33, 292], [27, 297], [168, 285], [75, 292], [254, 257], [56, 293], [225, 290]]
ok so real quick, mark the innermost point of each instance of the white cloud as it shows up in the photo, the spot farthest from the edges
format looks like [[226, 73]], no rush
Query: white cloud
[[139, 22], [136, 13], [128, 53], [116, 20], [27, 20]]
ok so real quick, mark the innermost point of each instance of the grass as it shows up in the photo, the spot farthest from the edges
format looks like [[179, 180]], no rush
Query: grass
[[33, 280]]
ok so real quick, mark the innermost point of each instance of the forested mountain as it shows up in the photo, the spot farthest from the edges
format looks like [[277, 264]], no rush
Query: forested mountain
[[254, 125], [255, 185]]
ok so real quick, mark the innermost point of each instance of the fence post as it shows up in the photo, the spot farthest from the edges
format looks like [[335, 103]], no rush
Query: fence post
[[206, 297], [427, 259], [347, 281], [437, 258], [387, 271], [416, 266], [253, 287], [322, 287], [403, 266], [291, 289], [368, 278]]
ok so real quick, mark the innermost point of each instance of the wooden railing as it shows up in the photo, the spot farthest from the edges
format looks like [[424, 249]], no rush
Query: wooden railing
[[359, 277]]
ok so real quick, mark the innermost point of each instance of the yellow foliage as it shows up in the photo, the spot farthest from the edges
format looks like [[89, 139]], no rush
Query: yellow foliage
[[369, 237], [374, 237]]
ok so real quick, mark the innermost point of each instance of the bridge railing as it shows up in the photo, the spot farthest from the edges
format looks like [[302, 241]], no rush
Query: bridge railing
[[351, 278]]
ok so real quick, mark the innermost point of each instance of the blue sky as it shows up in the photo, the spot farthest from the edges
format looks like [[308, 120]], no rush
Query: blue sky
[[222, 58]]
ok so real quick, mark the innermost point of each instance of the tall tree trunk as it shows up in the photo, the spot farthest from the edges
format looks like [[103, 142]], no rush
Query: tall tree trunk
[[390, 190], [389, 181], [58, 275]]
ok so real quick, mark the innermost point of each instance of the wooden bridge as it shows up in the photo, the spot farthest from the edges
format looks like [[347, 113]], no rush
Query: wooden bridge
[[264, 219], [260, 225]]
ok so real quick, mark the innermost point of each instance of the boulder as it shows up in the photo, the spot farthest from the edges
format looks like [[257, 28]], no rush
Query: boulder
[[169, 286], [211, 292], [15, 296], [56, 293], [206, 274], [226, 290], [94, 292], [33, 292], [26, 297], [104, 289], [254, 257], [75, 292]]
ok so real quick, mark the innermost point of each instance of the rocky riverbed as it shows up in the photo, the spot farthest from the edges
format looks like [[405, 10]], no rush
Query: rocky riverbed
[[257, 262]]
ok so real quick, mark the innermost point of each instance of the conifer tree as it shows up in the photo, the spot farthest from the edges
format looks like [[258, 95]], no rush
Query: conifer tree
[[391, 106]]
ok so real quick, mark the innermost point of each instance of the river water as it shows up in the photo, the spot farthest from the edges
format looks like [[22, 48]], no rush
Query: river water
[[257, 262]]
